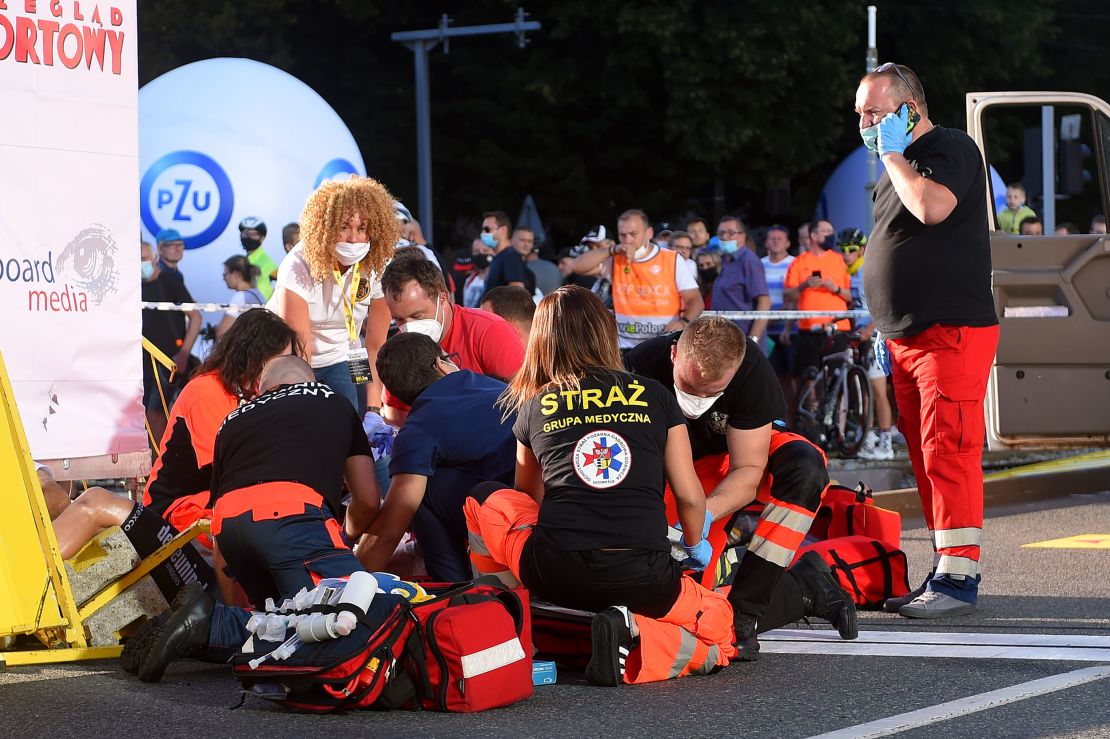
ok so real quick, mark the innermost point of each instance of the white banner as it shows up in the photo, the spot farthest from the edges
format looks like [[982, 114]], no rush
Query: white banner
[[69, 225]]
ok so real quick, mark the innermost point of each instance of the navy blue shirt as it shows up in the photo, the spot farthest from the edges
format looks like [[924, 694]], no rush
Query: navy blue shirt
[[509, 266], [454, 432]]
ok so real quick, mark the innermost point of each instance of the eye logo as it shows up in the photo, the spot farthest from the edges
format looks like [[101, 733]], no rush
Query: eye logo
[[335, 169], [190, 192], [89, 261]]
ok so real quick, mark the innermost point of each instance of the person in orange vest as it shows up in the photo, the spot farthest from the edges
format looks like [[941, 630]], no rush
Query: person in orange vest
[[748, 463], [652, 292], [817, 280], [586, 526]]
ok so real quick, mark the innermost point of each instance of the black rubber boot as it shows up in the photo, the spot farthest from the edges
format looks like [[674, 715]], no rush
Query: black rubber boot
[[822, 595], [747, 645], [184, 634]]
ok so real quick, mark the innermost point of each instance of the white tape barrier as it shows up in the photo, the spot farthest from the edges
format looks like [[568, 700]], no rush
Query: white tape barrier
[[779, 315], [203, 307], [732, 315]]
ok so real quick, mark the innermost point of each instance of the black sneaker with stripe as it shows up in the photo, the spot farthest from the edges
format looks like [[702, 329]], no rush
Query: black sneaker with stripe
[[611, 641]]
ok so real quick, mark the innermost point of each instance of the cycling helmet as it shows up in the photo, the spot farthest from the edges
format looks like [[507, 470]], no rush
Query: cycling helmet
[[851, 236], [253, 222]]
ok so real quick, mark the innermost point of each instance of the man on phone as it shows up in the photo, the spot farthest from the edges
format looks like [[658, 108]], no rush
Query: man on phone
[[928, 286], [817, 280]]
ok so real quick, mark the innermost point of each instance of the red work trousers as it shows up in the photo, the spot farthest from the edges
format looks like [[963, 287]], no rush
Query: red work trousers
[[940, 380], [693, 638]]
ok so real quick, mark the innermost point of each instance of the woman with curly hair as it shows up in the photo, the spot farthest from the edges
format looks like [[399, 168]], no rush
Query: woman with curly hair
[[586, 527], [330, 283]]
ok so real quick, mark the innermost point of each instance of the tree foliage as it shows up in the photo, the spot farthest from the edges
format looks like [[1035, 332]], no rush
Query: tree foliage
[[659, 104]]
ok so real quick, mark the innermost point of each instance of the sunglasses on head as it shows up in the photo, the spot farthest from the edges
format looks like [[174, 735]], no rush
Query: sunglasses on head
[[892, 67]]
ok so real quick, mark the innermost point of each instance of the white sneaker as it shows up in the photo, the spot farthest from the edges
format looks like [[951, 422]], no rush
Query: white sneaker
[[877, 446], [897, 437]]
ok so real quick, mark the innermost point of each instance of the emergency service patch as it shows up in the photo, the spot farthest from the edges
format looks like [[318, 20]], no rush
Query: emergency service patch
[[602, 459]]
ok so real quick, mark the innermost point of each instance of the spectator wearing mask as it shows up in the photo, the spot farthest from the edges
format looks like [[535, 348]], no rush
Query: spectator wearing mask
[[652, 294], [252, 232], [239, 275], [818, 280], [329, 286], [453, 439], [509, 267], [172, 332], [709, 266], [741, 285]]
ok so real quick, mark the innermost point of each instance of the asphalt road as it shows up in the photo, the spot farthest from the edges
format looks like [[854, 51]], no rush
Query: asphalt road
[[1027, 593]]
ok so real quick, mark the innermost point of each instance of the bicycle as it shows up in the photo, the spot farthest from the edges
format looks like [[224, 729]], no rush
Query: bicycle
[[834, 402]]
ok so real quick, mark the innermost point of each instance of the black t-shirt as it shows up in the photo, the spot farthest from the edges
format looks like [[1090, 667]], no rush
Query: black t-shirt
[[164, 328], [294, 433], [601, 451], [752, 399], [509, 266], [917, 275]]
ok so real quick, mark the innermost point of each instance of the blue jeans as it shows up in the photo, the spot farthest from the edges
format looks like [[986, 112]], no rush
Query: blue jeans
[[338, 378]]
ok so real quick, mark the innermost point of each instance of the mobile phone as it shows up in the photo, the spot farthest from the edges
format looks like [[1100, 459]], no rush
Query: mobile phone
[[913, 117], [816, 273]]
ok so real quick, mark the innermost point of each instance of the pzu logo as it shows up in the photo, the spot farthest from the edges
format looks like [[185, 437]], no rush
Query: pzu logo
[[190, 192]]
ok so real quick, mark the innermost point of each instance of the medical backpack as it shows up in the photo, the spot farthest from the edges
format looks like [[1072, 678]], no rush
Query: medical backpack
[[868, 569]]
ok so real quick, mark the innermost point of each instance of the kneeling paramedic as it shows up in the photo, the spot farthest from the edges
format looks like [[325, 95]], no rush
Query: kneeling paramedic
[[586, 527], [278, 470], [733, 404]]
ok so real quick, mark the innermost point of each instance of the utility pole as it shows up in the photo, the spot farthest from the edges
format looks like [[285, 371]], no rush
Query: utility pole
[[420, 43], [872, 157]]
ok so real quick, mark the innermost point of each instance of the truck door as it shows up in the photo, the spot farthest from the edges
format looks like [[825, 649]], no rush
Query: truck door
[[1050, 384]]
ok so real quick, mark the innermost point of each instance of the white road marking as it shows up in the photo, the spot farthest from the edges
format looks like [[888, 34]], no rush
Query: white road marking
[[1062, 647], [970, 704]]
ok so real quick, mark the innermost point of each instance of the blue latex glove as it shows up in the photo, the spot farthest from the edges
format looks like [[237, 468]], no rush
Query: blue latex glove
[[379, 434], [882, 354], [894, 131], [700, 555]]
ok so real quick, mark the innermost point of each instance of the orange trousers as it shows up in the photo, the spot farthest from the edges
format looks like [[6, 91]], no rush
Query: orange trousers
[[694, 638], [786, 509]]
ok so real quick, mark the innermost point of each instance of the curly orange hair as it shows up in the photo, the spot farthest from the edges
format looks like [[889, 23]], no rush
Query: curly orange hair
[[330, 207]]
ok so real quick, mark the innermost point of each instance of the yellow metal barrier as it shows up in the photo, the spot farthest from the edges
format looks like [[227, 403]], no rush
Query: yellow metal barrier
[[35, 595]]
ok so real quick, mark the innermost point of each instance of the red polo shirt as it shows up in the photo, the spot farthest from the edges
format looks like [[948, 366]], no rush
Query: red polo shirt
[[485, 343]]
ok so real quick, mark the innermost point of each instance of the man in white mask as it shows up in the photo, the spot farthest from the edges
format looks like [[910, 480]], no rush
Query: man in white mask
[[418, 301], [734, 408]]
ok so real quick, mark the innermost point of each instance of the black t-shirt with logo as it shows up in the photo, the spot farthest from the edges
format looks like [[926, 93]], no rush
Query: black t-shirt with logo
[[601, 449], [294, 433], [917, 275], [751, 400]]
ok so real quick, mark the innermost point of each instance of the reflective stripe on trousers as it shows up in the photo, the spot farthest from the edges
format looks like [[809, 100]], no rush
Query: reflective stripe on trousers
[[693, 638]]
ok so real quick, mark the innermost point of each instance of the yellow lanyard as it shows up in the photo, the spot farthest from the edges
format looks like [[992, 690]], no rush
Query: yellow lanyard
[[348, 304]]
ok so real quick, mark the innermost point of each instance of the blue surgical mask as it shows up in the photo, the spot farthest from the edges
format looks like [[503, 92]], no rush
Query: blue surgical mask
[[728, 247], [489, 240], [146, 269], [870, 136]]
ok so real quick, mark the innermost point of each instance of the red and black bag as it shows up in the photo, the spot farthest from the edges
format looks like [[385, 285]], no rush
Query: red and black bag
[[470, 650], [834, 496], [869, 570], [339, 674]]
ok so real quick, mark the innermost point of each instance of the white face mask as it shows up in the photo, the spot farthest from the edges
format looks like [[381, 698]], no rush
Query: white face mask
[[430, 327], [348, 254], [694, 406]]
